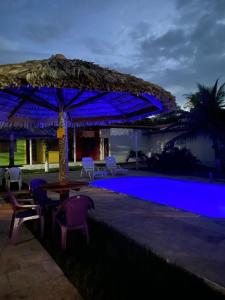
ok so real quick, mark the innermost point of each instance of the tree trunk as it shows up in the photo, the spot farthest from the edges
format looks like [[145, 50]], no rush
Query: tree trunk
[[11, 150]]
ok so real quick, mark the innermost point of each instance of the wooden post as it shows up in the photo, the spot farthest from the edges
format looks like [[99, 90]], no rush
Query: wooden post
[[11, 149], [31, 152], [46, 157], [63, 147]]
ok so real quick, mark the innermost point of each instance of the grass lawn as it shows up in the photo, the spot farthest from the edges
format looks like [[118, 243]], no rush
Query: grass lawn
[[113, 267], [51, 170]]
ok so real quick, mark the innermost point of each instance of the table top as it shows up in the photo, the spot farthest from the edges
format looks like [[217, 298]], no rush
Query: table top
[[57, 186]]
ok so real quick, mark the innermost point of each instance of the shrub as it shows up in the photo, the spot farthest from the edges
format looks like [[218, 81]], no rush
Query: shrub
[[173, 159]]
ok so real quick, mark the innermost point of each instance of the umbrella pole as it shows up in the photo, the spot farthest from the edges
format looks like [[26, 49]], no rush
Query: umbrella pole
[[74, 145], [11, 150], [63, 147]]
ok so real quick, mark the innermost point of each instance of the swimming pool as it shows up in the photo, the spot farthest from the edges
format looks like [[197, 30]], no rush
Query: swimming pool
[[206, 199]]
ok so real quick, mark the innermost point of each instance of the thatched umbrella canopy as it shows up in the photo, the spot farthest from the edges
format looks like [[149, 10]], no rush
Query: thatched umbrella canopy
[[27, 133], [60, 91]]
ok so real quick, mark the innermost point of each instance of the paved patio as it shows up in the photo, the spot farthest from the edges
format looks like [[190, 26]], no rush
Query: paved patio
[[194, 242], [27, 271]]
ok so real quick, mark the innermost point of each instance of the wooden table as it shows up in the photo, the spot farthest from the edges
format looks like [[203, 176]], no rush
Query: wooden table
[[64, 188]]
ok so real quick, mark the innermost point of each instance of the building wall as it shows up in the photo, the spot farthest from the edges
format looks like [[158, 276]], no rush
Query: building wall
[[40, 151], [20, 154], [53, 155], [123, 140], [201, 147]]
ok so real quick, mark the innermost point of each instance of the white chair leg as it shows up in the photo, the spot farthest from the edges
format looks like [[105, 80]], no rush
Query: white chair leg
[[15, 230]]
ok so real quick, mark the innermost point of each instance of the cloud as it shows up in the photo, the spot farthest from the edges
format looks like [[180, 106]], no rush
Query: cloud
[[42, 33], [192, 50], [98, 46], [173, 43], [17, 56]]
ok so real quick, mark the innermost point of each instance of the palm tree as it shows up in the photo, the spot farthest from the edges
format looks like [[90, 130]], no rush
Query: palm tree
[[206, 116]]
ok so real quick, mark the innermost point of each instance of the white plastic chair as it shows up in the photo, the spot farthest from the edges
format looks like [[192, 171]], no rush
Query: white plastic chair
[[89, 169], [112, 166], [13, 175]]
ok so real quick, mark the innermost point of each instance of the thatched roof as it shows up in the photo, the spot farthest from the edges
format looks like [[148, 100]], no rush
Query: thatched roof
[[57, 71], [31, 133], [33, 91]]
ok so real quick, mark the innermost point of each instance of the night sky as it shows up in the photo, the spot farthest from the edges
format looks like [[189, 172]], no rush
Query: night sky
[[174, 43]]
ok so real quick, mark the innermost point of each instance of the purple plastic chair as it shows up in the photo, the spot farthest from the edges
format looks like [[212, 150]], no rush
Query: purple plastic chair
[[40, 195], [73, 216], [22, 213], [36, 183]]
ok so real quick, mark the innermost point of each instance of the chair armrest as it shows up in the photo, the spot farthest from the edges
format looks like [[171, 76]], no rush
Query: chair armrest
[[24, 196], [31, 206], [25, 200]]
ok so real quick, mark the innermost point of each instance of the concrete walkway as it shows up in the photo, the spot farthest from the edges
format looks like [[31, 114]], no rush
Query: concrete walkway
[[26, 270], [191, 241]]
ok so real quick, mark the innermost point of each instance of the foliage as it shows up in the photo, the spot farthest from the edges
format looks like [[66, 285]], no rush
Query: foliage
[[164, 118], [173, 159], [140, 155], [206, 116]]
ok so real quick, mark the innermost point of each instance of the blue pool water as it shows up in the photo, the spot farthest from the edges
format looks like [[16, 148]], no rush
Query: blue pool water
[[206, 199]]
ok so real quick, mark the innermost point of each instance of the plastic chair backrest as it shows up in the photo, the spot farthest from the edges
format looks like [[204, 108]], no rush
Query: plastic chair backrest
[[76, 208], [39, 194], [36, 183], [111, 162], [14, 173], [88, 163]]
